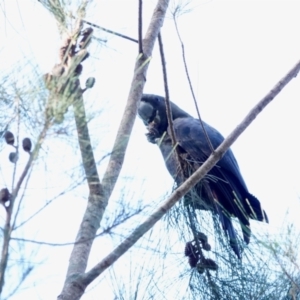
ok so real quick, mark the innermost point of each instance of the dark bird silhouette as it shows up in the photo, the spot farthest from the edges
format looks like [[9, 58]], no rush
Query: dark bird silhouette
[[9, 138], [26, 143], [223, 190]]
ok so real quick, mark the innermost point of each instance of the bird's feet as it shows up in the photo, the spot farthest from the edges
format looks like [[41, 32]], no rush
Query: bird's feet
[[153, 133]]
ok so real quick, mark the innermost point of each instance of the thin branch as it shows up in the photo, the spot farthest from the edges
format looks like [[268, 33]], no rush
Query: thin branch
[[110, 31], [167, 98], [25, 274], [167, 101], [140, 26], [190, 182], [191, 86], [48, 203], [135, 94], [107, 230], [17, 142], [21, 200], [8, 227]]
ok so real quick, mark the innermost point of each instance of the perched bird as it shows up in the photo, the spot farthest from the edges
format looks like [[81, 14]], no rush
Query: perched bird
[[9, 138], [26, 143], [223, 190]]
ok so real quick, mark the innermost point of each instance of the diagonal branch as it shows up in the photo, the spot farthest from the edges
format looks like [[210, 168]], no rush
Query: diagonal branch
[[190, 182], [111, 31], [135, 94]]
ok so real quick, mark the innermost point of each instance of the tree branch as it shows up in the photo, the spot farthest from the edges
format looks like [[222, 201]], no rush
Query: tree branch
[[190, 84], [168, 107], [111, 31], [140, 26], [190, 182], [9, 210], [74, 287], [135, 94]]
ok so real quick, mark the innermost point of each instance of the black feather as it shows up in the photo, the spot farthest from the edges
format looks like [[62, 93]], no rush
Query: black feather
[[224, 190]]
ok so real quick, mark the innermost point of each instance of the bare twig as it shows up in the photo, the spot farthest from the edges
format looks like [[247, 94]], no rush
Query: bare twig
[[21, 200], [48, 203], [107, 230], [17, 141], [191, 86], [167, 98], [190, 182], [111, 31], [140, 26], [167, 101], [8, 226], [25, 274]]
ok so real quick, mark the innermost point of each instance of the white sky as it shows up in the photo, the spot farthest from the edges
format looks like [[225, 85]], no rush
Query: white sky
[[236, 52]]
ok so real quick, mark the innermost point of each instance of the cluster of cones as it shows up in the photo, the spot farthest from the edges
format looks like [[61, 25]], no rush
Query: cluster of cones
[[10, 140], [70, 61], [9, 137], [63, 80], [195, 259]]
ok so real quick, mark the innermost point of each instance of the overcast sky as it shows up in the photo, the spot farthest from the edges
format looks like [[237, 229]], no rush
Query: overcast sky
[[236, 52]]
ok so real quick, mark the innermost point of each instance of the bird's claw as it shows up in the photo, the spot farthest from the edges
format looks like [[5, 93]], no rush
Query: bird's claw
[[151, 138], [152, 134]]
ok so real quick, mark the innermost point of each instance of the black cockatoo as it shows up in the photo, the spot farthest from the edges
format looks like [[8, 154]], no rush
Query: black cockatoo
[[223, 191]]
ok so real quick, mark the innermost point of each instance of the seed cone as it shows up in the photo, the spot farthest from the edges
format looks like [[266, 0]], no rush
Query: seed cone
[[9, 138], [27, 145], [4, 195]]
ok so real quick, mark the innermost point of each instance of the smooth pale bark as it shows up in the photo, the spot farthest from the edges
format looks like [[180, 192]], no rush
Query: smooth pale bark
[[74, 286]]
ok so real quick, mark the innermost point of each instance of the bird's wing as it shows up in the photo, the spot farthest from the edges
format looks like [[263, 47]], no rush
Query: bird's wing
[[191, 137]]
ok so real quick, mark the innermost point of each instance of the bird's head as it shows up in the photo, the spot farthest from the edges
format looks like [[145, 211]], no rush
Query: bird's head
[[149, 107], [153, 115], [152, 110]]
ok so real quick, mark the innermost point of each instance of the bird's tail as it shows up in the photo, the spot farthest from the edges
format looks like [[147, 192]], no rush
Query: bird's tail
[[254, 209], [228, 227]]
